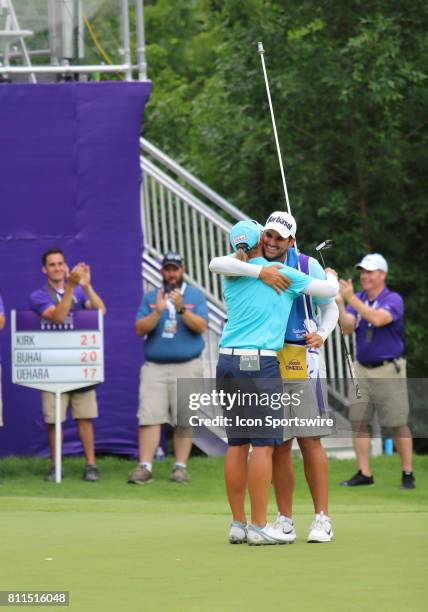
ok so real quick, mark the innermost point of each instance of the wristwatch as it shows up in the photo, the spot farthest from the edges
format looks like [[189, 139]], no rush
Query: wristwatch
[[181, 311]]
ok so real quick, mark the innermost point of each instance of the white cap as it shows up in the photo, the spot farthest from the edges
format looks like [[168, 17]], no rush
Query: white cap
[[283, 223], [373, 261]]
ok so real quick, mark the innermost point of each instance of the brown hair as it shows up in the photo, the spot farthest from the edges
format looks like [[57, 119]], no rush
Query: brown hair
[[241, 254], [50, 252]]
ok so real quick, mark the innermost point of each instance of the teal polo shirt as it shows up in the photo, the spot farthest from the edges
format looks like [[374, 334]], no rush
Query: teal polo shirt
[[257, 315]]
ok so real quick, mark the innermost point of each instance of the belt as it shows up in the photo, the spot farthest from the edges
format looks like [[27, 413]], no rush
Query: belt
[[261, 352], [377, 364]]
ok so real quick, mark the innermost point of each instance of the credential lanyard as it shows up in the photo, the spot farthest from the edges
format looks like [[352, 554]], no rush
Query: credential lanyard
[[370, 331], [172, 313]]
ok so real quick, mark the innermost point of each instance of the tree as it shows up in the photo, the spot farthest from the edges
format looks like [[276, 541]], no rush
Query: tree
[[348, 83]]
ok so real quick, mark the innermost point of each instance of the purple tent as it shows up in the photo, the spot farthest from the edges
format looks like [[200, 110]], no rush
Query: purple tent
[[70, 177]]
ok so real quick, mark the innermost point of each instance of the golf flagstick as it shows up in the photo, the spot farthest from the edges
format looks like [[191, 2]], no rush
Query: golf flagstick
[[278, 149]]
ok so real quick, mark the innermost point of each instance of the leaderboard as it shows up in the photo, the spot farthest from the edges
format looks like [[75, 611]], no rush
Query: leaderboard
[[54, 354]]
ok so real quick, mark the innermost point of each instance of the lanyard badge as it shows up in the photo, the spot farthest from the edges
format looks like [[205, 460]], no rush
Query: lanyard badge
[[368, 336], [170, 327]]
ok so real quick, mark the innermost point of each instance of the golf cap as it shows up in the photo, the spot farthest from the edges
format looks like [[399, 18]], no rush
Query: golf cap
[[283, 223], [172, 259], [373, 261], [245, 232]]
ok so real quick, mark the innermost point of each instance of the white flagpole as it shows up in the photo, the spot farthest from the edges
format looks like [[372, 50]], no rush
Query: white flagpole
[[58, 437], [278, 149]]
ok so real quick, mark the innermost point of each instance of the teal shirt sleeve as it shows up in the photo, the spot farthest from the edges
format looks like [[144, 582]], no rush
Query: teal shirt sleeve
[[316, 271], [299, 281]]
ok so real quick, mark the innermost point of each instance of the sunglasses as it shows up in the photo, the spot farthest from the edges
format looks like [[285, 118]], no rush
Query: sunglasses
[[173, 257]]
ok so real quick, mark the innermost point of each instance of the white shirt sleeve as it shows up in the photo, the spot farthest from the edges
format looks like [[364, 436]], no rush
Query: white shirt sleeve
[[323, 288], [229, 266], [329, 316]]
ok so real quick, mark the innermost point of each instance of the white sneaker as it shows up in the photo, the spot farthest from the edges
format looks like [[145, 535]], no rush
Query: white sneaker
[[256, 536], [237, 533], [321, 529], [285, 525]]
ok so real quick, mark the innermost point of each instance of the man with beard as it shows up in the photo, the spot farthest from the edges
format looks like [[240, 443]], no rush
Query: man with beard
[[173, 320]]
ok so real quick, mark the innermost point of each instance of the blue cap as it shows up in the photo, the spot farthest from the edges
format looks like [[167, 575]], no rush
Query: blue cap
[[172, 259], [245, 232]]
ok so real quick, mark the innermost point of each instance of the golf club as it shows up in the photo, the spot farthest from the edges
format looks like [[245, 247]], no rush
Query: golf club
[[322, 246]]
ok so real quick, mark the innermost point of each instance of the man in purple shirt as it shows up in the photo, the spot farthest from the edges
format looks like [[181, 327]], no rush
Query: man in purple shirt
[[65, 291], [376, 314]]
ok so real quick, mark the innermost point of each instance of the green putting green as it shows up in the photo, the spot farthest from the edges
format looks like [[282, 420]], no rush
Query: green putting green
[[164, 546]]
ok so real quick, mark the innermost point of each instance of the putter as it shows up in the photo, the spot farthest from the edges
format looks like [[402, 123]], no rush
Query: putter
[[322, 246]]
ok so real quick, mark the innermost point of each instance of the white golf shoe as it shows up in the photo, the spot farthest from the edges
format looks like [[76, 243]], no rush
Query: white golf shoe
[[321, 529], [237, 533], [285, 525], [258, 536]]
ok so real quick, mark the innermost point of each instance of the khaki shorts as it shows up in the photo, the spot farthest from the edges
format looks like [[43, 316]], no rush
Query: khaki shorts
[[158, 390], [384, 391], [305, 403], [83, 405], [1, 404]]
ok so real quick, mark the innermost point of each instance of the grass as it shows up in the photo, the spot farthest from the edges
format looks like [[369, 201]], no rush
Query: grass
[[163, 546]]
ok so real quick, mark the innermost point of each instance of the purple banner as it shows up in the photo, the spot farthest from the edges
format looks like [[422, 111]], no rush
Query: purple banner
[[70, 178], [81, 320]]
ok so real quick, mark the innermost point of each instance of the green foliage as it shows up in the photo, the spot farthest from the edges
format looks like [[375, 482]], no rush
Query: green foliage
[[348, 84]]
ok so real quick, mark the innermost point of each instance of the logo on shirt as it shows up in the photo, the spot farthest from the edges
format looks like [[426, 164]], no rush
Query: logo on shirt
[[299, 333]]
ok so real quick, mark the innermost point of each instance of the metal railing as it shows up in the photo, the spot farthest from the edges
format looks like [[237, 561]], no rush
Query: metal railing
[[339, 381], [174, 218]]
